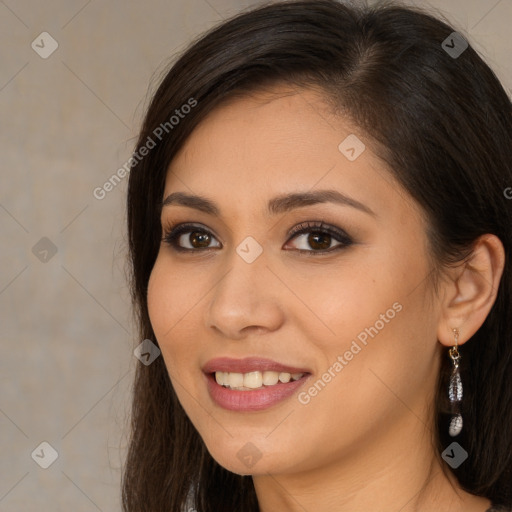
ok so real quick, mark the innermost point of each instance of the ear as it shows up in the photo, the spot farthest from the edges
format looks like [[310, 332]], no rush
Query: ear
[[471, 290]]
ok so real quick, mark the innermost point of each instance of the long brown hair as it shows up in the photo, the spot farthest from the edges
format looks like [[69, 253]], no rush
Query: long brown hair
[[441, 122]]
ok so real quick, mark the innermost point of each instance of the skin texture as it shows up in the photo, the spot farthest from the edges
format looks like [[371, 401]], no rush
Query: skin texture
[[364, 442]]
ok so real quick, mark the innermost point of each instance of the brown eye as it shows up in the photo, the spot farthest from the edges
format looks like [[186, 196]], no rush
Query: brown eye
[[315, 238], [199, 239], [188, 237], [319, 240]]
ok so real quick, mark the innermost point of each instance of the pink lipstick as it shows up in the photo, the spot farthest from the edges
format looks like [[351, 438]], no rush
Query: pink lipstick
[[253, 383]]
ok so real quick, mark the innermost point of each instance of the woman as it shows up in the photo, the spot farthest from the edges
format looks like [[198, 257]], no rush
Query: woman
[[320, 238]]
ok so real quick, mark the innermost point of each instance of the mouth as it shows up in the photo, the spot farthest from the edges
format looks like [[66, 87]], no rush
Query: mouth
[[254, 380], [251, 384]]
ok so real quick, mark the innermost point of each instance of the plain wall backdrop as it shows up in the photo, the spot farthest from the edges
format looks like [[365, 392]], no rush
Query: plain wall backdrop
[[68, 121]]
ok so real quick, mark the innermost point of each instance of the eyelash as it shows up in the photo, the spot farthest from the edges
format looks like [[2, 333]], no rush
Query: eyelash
[[172, 236]]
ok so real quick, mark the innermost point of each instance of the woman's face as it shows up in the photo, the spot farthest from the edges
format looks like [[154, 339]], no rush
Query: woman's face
[[350, 308]]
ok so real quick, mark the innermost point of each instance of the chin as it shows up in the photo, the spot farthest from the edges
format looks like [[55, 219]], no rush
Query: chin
[[246, 457]]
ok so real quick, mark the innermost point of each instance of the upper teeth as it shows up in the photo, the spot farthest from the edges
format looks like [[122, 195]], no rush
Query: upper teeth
[[254, 380]]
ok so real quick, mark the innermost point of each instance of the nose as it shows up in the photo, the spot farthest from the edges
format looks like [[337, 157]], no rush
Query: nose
[[247, 299]]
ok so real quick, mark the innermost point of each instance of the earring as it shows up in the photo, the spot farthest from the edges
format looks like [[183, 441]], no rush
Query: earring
[[455, 388]]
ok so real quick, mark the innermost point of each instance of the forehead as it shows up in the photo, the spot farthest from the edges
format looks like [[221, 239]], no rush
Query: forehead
[[270, 129], [275, 142]]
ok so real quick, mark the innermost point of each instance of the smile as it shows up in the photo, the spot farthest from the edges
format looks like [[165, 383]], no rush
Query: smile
[[254, 380], [251, 384]]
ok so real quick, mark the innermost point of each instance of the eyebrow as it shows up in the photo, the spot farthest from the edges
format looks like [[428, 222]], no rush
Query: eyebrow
[[276, 206]]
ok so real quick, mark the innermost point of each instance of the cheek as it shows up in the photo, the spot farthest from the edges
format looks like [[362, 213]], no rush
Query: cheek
[[159, 297], [373, 383], [172, 303], [375, 317], [339, 301], [168, 303], [171, 296]]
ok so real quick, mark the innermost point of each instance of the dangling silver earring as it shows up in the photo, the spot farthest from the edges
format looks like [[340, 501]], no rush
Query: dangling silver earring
[[455, 388]]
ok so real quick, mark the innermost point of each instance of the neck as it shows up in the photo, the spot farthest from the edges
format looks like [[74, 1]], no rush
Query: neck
[[393, 473]]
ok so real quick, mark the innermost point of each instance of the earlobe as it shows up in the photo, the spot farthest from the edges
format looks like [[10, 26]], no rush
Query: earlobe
[[472, 291]]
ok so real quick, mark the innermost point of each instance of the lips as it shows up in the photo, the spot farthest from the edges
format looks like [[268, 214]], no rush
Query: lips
[[254, 399]]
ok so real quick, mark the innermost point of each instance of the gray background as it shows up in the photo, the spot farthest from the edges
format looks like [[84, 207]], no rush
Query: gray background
[[68, 122]]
